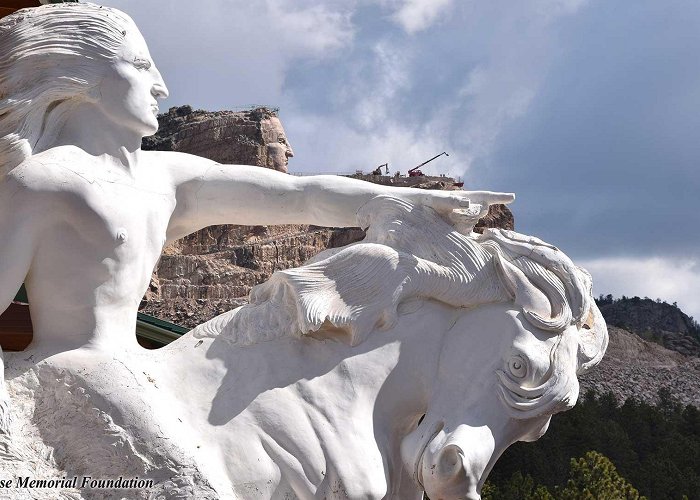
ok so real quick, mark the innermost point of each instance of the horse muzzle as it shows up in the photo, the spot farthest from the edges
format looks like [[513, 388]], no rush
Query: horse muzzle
[[451, 467]]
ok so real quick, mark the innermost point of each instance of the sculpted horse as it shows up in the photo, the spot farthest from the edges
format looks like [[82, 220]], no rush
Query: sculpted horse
[[404, 363]]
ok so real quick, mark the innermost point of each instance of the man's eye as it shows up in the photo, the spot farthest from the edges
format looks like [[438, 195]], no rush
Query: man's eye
[[142, 63]]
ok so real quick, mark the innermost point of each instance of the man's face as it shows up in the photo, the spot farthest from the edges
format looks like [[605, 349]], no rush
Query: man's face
[[277, 147], [131, 87]]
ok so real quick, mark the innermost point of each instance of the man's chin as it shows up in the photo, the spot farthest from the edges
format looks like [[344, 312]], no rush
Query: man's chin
[[150, 129]]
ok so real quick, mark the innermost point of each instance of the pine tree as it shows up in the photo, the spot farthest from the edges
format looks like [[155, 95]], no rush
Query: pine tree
[[594, 477], [518, 487]]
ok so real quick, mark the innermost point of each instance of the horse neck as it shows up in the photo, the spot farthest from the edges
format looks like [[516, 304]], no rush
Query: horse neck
[[407, 389]]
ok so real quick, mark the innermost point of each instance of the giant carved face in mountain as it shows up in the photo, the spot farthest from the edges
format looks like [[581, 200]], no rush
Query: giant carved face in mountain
[[277, 148]]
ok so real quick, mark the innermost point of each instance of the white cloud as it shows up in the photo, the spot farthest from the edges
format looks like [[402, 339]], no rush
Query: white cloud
[[370, 100], [516, 44], [672, 280], [559, 7], [312, 30], [495, 98], [228, 53], [418, 15], [502, 53]]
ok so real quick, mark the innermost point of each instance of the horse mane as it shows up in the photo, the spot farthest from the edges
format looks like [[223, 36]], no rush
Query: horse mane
[[409, 252]]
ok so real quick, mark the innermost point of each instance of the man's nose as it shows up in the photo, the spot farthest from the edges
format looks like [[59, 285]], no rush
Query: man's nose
[[159, 90], [289, 152]]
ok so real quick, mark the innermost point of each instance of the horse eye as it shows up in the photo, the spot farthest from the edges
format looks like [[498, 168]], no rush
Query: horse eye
[[517, 366]]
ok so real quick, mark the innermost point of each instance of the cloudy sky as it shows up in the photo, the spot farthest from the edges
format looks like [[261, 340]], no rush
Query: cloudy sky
[[589, 110]]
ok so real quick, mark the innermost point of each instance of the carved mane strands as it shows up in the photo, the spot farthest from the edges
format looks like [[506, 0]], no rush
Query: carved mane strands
[[555, 295], [38, 47], [412, 252], [409, 252]]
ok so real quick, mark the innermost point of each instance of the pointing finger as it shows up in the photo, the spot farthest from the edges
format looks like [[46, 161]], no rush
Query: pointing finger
[[492, 197]]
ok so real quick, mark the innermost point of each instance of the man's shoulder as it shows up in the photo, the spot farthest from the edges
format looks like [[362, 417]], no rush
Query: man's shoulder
[[32, 183], [55, 165], [60, 155]]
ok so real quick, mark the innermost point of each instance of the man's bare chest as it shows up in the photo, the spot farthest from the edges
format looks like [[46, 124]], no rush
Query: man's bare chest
[[115, 213]]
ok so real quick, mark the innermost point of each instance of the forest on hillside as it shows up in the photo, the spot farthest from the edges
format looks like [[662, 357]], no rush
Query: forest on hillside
[[605, 450], [653, 320]]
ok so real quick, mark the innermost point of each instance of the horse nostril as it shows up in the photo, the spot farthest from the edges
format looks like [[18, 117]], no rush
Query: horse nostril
[[451, 461], [447, 474]]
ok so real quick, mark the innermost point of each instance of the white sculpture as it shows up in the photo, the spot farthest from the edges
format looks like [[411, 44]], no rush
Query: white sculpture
[[409, 361]]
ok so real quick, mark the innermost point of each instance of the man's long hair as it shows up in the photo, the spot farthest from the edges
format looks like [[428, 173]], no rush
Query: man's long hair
[[51, 58]]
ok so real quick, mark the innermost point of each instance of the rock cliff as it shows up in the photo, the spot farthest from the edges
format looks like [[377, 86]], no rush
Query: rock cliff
[[227, 137], [653, 346], [633, 367], [212, 271]]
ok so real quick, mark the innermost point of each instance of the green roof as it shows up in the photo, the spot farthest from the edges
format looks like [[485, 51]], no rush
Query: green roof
[[157, 330], [22, 295]]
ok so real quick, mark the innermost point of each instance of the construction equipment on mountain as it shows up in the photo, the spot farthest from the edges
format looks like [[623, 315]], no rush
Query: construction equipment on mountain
[[415, 172]]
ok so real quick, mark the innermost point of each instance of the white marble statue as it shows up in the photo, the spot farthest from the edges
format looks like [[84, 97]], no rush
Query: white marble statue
[[403, 363]]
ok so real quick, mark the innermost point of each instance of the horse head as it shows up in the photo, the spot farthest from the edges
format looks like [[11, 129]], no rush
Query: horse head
[[499, 380], [505, 367]]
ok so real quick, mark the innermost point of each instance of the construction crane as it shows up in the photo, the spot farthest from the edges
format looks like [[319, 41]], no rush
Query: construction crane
[[415, 172], [378, 170]]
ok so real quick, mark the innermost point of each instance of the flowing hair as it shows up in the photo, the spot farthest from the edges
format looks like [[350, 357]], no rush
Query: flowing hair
[[50, 60]]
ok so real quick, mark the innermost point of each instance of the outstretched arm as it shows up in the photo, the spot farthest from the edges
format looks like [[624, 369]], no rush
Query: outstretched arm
[[239, 194]]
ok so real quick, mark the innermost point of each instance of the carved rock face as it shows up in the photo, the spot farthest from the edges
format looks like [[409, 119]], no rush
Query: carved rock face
[[277, 148]]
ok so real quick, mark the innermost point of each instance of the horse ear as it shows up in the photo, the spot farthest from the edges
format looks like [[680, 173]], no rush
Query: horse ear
[[530, 299], [593, 340]]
